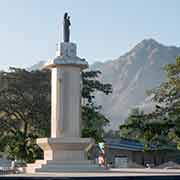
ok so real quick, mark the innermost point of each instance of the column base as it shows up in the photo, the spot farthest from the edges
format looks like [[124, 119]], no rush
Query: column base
[[64, 155]]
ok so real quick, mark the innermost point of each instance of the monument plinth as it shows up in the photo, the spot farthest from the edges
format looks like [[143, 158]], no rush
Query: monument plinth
[[65, 150]]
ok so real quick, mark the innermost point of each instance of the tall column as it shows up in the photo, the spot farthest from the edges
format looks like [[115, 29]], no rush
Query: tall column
[[65, 87], [65, 105]]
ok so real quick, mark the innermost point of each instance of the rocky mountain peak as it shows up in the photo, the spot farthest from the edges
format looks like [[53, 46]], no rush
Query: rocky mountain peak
[[131, 75], [149, 44]]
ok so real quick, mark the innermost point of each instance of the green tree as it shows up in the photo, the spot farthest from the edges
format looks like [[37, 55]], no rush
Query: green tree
[[133, 126], [93, 122], [167, 97], [24, 107], [23, 147], [25, 98], [148, 129]]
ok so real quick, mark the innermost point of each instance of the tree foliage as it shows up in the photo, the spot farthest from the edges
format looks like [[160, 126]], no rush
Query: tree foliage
[[167, 95], [93, 122], [24, 108], [24, 101], [91, 84]]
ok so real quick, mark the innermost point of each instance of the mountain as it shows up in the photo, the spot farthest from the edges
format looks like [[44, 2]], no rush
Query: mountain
[[36, 66], [131, 75]]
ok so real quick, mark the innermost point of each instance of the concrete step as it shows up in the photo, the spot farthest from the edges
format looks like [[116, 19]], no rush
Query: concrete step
[[40, 161], [62, 166], [69, 168], [84, 162], [31, 167], [68, 165], [37, 163]]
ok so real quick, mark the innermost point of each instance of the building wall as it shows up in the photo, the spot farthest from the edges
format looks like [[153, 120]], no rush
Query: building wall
[[141, 158], [132, 156]]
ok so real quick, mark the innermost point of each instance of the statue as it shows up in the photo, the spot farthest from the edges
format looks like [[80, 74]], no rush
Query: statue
[[66, 24]]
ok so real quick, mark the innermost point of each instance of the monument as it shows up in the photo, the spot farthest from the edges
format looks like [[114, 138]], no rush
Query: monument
[[65, 150]]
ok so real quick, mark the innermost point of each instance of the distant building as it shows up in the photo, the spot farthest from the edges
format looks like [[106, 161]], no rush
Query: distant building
[[128, 153]]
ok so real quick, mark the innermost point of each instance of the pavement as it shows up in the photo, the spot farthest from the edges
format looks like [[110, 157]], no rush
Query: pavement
[[109, 173]]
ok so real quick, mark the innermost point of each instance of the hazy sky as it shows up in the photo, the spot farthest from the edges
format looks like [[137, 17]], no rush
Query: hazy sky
[[102, 29]]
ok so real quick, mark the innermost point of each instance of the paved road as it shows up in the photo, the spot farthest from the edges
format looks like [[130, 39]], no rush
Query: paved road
[[111, 172]]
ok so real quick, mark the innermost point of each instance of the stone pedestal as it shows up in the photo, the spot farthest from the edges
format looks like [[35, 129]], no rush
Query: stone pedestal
[[65, 150]]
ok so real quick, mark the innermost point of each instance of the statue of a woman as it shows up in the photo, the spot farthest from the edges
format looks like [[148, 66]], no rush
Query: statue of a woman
[[66, 29]]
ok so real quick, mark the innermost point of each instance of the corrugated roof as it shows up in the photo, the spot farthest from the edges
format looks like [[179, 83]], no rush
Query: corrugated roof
[[125, 144], [133, 145]]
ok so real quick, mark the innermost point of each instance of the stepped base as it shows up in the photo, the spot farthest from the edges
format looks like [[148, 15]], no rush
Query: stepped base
[[63, 155], [63, 166]]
